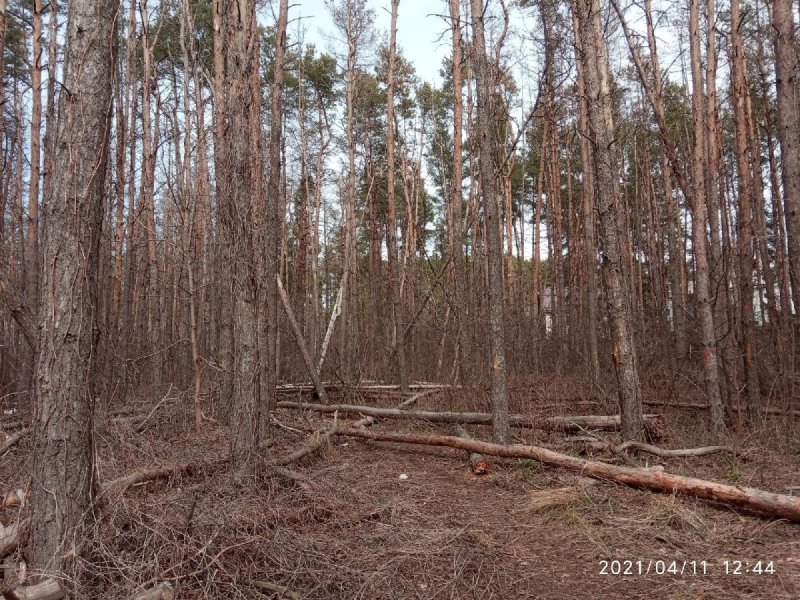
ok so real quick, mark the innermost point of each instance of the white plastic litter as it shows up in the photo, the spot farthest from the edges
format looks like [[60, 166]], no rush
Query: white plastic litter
[[403, 477]]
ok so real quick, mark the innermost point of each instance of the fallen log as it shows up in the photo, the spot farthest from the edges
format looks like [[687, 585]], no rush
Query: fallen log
[[49, 589], [162, 591], [755, 500], [569, 423], [121, 484], [13, 441], [9, 537], [667, 453], [765, 410]]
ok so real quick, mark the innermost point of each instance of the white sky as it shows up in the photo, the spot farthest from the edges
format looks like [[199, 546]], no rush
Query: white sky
[[422, 36]]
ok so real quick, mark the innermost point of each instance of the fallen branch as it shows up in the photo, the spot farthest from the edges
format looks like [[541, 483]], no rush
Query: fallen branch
[[417, 396], [301, 343], [275, 588], [13, 441], [666, 453], [296, 478], [162, 591], [478, 464], [760, 501], [49, 589], [318, 440], [121, 484], [141, 426], [569, 423]]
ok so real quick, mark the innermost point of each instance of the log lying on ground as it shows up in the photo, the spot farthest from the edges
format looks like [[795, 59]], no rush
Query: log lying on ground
[[120, 485], [13, 441], [760, 501], [49, 589], [9, 537], [478, 464], [162, 591], [677, 453], [598, 444], [570, 423], [765, 410]]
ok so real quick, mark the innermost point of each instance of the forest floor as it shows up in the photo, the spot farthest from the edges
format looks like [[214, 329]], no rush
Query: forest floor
[[521, 531]]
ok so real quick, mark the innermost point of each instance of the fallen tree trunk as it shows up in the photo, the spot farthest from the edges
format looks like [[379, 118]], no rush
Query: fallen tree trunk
[[569, 423], [760, 501], [9, 538], [13, 441], [765, 410], [49, 589]]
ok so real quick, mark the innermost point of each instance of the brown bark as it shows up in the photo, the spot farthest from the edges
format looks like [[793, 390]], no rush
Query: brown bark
[[240, 201], [488, 156], [751, 499], [587, 213], [702, 278], [275, 203], [607, 194], [455, 228], [63, 464], [32, 268], [394, 273], [787, 59], [745, 165]]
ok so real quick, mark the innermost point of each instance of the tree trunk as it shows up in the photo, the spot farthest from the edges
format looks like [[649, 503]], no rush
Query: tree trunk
[[63, 464], [609, 200], [240, 204], [702, 279], [487, 149], [391, 223], [787, 59]]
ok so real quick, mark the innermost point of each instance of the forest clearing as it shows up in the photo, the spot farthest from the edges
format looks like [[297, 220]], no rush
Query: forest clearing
[[347, 525], [346, 299]]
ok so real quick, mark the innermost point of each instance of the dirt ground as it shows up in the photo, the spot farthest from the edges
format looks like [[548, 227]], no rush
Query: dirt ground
[[521, 531]]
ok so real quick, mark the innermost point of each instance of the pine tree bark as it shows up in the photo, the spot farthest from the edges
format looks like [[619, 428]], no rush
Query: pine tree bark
[[587, 212], [605, 165], [391, 221], [487, 149], [787, 59], [63, 464], [702, 279], [240, 204], [455, 225], [744, 214]]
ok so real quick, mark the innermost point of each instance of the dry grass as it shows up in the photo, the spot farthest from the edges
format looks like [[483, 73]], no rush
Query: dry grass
[[523, 531]]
